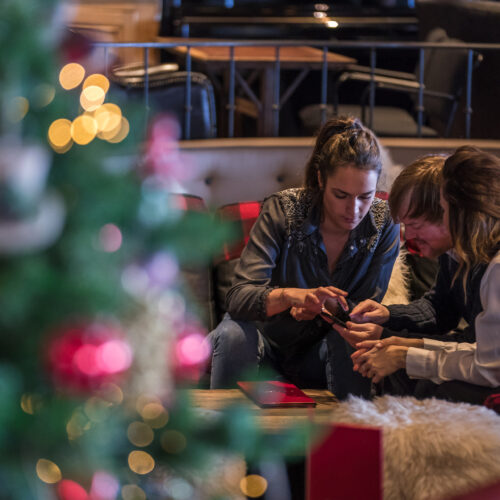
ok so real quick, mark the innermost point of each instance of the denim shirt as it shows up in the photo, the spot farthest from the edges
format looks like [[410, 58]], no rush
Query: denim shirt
[[285, 249]]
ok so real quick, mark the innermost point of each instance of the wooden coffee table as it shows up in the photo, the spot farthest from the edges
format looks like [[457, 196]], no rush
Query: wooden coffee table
[[270, 419]]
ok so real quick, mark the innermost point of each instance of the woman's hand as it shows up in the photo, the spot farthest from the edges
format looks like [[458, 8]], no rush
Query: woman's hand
[[359, 332], [370, 311], [302, 314], [378, 362], [313, 299]]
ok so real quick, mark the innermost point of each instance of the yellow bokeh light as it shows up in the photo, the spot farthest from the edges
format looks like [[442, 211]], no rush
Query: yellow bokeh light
[[96, 409], [60, 133], [76, 425], [83, 129], [98, 80], [48, 471], [43, 95], [63, 150], [155, 415], [253, 485], [16, 109], [140, 462], [111, 392], [108, 117], [145, 399], [92, 97], [133, 492], [140, 434], [121, 133], [173, 441], [71, 76], [30, 403]]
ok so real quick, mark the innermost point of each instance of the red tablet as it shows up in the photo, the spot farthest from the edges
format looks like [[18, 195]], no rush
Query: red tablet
[[275, 394]]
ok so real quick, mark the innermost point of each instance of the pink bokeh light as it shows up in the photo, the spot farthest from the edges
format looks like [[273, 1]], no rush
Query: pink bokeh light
[[192, 349], [110, 238], [104, 486]]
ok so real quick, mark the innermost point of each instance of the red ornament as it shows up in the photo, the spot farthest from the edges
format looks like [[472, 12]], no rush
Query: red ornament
[[83, 356]]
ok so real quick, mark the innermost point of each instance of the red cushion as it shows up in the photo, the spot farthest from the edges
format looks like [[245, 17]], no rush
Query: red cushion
[[244, 214]]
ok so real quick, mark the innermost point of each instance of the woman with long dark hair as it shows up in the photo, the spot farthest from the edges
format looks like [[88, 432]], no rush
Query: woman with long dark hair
[[326, 245]]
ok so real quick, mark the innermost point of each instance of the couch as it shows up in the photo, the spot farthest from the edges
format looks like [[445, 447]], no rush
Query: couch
[[232, 176]]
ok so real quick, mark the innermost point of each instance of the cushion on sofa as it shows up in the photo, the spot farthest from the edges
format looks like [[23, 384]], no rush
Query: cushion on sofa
[[243, 216]]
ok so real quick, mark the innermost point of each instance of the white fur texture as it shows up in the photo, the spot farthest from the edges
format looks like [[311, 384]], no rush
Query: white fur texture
[[433, 449], [398, 290]]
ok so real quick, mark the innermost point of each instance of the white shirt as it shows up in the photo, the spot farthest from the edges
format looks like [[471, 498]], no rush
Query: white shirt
[[477, 363]]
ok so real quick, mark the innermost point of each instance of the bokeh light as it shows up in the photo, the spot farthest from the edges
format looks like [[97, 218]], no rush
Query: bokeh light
[[92, 97], [97, 409], [114, 356], [111, 392], [253, 485], [77, 425], [71, 75], [59, 134], [97, 80], [43, 95], [179, 489], [104, 486], [121, 133], [140, 434], [173, 441], [133, 492], [71, 490], [110, 238], [108, 117], [84, 356], [83, 129], [47, 471], [16, 109], [31, 403], [192, 349], [140, 462], [155, 415]]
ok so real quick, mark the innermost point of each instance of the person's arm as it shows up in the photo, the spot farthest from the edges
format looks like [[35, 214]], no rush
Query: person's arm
[[434, 313], [252, 297], [247, 297], [474, 363]]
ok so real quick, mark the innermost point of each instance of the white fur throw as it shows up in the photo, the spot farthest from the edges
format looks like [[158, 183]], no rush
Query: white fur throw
[[433, 449]]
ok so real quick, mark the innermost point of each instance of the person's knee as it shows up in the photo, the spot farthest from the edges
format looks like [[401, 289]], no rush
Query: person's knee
[[233, 335]]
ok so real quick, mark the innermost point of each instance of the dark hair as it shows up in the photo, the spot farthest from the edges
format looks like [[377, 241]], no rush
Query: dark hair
[[471, 186], [342, 141], [421, 182]]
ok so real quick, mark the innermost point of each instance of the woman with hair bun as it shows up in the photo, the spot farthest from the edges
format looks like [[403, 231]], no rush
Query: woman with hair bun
[[326, 245], [470, 199]]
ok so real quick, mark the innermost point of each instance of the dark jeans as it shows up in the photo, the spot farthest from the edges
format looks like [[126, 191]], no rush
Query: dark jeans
[[240, 350], [455, 390]]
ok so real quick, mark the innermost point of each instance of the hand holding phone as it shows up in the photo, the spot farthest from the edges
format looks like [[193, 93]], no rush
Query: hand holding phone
[[330, 318]]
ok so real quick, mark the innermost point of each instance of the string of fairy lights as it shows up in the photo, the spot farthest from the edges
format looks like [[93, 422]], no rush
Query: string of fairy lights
[[100, 119]]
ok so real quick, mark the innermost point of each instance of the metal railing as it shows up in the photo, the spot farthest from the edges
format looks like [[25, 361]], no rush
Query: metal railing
[[472, 51]]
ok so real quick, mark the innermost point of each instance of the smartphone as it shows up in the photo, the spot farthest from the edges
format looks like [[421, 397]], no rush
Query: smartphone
[[330, 318]]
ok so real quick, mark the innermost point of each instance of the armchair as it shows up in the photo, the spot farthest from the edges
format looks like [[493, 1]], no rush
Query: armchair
[[443, 82]]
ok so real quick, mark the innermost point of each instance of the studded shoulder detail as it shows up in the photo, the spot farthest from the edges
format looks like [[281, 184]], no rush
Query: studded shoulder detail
[[380, 214], [295, 203]]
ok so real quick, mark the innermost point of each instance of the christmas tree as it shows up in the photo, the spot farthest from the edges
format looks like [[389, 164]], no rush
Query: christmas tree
[[92, 304]]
